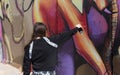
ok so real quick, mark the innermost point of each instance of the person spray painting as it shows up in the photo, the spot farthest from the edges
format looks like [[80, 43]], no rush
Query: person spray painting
[[41, 52]]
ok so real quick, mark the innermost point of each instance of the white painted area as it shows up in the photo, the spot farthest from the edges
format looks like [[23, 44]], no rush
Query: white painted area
[[6, 69]]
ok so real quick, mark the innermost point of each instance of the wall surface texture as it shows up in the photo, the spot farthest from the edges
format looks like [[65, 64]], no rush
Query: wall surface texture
[[96, 50]]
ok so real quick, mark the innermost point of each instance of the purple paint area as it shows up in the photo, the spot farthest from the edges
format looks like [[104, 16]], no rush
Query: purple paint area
[[118, 2], [97, 27], [65, 64], [107, 11]]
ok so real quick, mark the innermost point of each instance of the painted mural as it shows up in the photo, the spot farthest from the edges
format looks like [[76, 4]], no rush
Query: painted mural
[[91, 52]]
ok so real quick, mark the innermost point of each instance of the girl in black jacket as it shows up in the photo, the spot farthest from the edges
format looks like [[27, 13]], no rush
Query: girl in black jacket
[[41, 52]]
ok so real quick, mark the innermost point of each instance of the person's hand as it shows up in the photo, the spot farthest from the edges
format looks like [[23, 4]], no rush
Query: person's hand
[[79, 28]]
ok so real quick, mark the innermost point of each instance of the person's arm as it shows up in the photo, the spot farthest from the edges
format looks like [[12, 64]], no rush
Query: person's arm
[[26, 62], [62, 37]]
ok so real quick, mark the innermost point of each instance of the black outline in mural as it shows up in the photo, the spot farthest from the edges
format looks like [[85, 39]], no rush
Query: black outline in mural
[[25, 10]]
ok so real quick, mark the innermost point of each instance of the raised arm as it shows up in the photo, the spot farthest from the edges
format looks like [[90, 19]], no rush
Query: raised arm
[[64, 36]]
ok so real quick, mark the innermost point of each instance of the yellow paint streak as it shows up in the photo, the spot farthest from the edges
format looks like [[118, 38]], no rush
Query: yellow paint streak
[[78, 4]]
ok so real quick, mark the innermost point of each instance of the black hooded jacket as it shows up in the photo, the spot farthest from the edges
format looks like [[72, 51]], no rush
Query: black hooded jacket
[[44, 55]]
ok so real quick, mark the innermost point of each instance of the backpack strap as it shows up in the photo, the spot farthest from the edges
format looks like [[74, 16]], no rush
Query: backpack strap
[[50, 42]]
